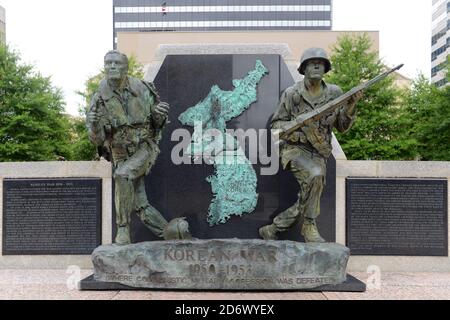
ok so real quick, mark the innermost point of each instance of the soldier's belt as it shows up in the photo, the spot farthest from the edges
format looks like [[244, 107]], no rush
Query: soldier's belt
[[306, 147], [134, 130], [131, 138], [309, 148]]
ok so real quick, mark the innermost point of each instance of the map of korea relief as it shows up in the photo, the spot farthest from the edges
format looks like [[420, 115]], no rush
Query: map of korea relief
[[234, 181]]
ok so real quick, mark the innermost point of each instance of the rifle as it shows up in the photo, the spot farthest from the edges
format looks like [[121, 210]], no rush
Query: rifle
[[104, 150], [292, 126]]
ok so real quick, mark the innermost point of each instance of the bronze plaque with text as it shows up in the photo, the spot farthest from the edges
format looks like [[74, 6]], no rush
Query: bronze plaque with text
[[51, 216], [397, 216]]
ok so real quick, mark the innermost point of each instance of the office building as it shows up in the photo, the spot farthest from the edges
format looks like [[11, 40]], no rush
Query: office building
[[141, 26], [440, 42], [220, 15], [2, 25]]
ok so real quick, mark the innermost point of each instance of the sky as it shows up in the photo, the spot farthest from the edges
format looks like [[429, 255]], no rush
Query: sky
[[67, 39]]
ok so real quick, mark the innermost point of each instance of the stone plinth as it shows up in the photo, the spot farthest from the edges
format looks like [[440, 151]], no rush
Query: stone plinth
[[222, 265]]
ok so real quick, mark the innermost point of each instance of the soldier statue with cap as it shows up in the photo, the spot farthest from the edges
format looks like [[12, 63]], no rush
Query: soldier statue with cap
[[125, 121], [306, 150]]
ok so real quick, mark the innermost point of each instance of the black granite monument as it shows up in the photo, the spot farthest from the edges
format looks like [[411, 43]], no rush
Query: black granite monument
[[181, 190]]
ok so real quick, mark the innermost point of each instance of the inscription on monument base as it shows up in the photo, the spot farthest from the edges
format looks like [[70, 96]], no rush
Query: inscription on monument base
[[222, 264], [51, 216], [397, 217]]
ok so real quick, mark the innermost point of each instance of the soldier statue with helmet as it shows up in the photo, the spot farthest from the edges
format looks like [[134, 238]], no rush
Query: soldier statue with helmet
[[125, 121], [306, 150]]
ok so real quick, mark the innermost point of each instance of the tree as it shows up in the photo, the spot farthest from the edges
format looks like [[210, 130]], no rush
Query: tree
[[33, 126], [430, 110], [83, 149], [382, 128]]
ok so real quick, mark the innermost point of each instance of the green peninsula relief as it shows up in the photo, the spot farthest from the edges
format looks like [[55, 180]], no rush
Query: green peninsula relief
[[234, 182]]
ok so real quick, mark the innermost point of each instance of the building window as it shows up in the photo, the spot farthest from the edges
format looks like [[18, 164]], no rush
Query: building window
[[184, 15], [191, 9], [437, 36], [438, 68], [438, 52], [222, 23], [441, 83]]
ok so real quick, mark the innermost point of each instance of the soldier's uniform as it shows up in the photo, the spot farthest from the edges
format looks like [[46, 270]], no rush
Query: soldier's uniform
[[128, 135], [305, 154]]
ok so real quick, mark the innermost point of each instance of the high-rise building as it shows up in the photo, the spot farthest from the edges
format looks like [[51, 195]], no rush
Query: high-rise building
[[220, 15], [2, 25], [440, 42]]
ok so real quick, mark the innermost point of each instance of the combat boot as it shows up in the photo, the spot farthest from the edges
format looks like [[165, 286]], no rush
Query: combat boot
[[310, 232], [123, 235], [269, 232]]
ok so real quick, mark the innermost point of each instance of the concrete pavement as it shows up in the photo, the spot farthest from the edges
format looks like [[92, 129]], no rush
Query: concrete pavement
[[62, 285]]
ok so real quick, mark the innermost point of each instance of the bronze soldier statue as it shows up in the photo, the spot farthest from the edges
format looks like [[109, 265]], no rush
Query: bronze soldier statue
[[125, 121], [306, 150]]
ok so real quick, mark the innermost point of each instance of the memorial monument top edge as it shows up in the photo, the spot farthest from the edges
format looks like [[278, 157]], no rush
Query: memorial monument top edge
[[233, 241], [281, 49]]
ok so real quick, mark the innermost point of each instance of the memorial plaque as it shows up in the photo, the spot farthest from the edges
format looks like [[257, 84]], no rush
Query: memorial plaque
[[51, 216], [397, 217]]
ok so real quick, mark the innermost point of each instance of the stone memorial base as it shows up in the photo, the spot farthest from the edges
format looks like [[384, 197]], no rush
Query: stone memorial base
[[232, 264], [352, 284]]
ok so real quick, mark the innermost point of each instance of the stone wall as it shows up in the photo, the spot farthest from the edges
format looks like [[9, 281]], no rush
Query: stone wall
[[345, 168]]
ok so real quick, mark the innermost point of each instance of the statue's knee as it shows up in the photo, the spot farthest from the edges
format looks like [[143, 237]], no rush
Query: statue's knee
[[141, 201], [277, 220]]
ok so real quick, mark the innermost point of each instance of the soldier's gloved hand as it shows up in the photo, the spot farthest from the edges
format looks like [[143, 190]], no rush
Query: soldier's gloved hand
[[311, 124], [93, 116], [350, 110], [294, 137], [121, 172], [161, 110]]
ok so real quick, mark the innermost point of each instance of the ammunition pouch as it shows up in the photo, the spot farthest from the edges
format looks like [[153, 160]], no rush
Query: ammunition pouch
[[318, 140], [133, 150], [297, 137]]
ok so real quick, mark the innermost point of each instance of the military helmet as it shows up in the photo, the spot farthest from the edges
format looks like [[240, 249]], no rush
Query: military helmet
[[314, 53], [177, 229]]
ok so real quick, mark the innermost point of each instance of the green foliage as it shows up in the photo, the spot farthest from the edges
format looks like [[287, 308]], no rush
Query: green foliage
[[83, 149], [382, 128], [429, 108], [33, 126]]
